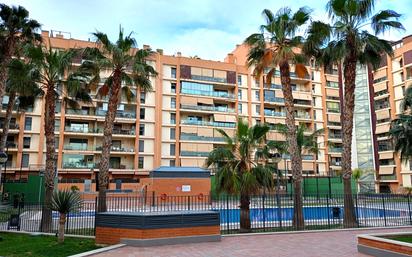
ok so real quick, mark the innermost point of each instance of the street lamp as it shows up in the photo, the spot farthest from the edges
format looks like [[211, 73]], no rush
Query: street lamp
[[3, 161]]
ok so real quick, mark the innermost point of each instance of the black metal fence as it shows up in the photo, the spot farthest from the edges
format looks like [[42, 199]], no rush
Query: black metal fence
[[270, 212]]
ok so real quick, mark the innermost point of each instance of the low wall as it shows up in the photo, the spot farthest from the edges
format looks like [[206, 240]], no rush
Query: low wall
[[380, 245], [154, 227]]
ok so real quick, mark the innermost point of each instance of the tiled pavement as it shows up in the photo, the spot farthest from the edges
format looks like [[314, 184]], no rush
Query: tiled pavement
[[317, 244]]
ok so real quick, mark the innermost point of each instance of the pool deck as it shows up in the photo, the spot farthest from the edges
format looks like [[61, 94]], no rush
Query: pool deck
[[307, 244]]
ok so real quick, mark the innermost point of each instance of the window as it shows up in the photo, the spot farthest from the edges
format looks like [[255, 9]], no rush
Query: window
[[239, 79], [25, 160], [141, 129], [239, 94], [332, 84], [172, 133], [26, 142], [141, 146], [173, 103], [27, 123], [140, 163], [142, 97], [257, 95], [172, 163], [239, 108], [258, 108], [173, 72], [142, 113], [173, 87], [172, 149], [173, 118]]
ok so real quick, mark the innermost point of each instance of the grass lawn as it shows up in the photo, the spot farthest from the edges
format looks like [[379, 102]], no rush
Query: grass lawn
[[16, 245], [406, 238]]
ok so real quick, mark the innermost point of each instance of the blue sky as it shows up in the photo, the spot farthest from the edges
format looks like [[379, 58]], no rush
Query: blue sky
[[207, 28]]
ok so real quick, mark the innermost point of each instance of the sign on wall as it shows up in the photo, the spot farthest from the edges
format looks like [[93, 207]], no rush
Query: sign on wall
[[186, 188]]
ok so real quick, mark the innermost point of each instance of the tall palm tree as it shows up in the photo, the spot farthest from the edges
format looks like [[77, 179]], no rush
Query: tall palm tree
[[238, 171], [129, 68], [22, 88], [275, 45], [348, 41], [16, 28], [53, 65], [401, 128]]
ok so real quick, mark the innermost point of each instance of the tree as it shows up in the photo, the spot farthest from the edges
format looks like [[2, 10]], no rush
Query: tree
[[64, 202], [275, 46], [238, 170], [22, 88], [356, 175], [16, 29], [52, 65], [129, 68], [348, 41]]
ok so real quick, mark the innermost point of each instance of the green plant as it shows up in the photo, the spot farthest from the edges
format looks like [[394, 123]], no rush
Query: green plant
[[237, 169], [74, 188], [275, 46], [64, 202]]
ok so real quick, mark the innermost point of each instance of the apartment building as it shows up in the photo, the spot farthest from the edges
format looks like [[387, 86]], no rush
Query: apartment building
[[175, 124]]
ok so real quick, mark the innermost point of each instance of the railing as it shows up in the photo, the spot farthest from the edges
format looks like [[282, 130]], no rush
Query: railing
[[119, 114], [76, 147], [268, 212], [208, 78], [274, 113], [208, 108], [274, 99], [78, 165], [184, 136], [81, 130], [11, 126], [117, 149], [208, 93], [208, 123], [333, 110], [194, 154], [335, 150]]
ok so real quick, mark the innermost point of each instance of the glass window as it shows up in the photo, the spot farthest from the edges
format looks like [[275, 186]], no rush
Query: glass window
[[172, 163], [26, 142], [172, 133], [27, 123], [141, 129], [239, 108], [173, 118], [142, 113], [142, 97], [173, 87], [239, 94], [332, 84], [25, 158], [257, 94], [141, 146], [258, 108], [173, 102], [172, 149], [140, 163], [173, 72], [239, 79]]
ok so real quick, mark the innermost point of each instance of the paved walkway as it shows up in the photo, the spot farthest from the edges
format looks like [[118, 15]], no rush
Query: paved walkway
[[317, 244]]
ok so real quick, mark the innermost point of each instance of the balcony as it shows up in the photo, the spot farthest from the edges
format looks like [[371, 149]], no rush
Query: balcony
[[130, 132], [332, 110], [383, 148], [274, 113], [207, 108], [194, 154], [119, 114], [220, 94], [76, 147], [379, 79], [334, 136], [78, 165], [305, 157], [11, 126], [274, 99], [193, 137], [208, 78], [81, 129], [208, 123], [79, 112], [334, 124], [335, 150], [387, 178], [117, 149], [302, 115]]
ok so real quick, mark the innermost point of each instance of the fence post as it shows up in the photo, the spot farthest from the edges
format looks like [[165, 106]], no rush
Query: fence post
[[188, 202], [279, 204], [153, 198], [384, 209], [356, 208], [409, 208], [330, 188], [328, 209], [95, 212], [227, 212], [264, 215]]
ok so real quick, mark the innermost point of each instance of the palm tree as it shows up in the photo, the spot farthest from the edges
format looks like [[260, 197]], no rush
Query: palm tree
[[64, 202], [52, 65], [275, 46], [238, 171], [15, 29], [129, 68], [348, 41], [356, 175], [21, 88]]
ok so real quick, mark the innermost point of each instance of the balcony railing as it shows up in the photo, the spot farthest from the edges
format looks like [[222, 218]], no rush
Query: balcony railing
[[335, 150], [184, 136], [387, 177], [209, 123], [119, 114], [274, 99], [11, 126], [81, 130], [194, 154], [382, 148], [124, 131], [336, 124], [76, 147], [208, 93], [335, 136], [332, 110], [79, 112], [208, 108], [303, 115], [274, 113], [208, 78], [306, 157], [78, 165], [117, 149]]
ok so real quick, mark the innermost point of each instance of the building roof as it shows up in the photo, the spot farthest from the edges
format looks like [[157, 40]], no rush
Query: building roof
[[180, 172]]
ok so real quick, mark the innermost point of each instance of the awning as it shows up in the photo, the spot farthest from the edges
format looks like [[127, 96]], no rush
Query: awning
[[334, 118], [384, 114], [230, 118], [219, 117], [386, 170], [382, 128], [206, 132], [379, 74], [188, 100], [196, 71], [208, 101], [332, 92], [185, 129], [380, 87], [204, 148], [388, 155], [219, 74]]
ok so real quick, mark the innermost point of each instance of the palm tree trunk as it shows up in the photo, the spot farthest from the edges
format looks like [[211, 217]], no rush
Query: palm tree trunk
[[349, 218], [62, 222], [244, 213], [298, 221], [50, 171], [6, 125], [107, 141]]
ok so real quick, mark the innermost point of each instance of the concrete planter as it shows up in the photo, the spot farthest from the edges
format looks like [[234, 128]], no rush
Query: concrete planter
[[380, 245]]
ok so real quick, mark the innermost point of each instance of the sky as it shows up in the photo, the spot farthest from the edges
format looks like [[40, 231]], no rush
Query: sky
[[209, 29]]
